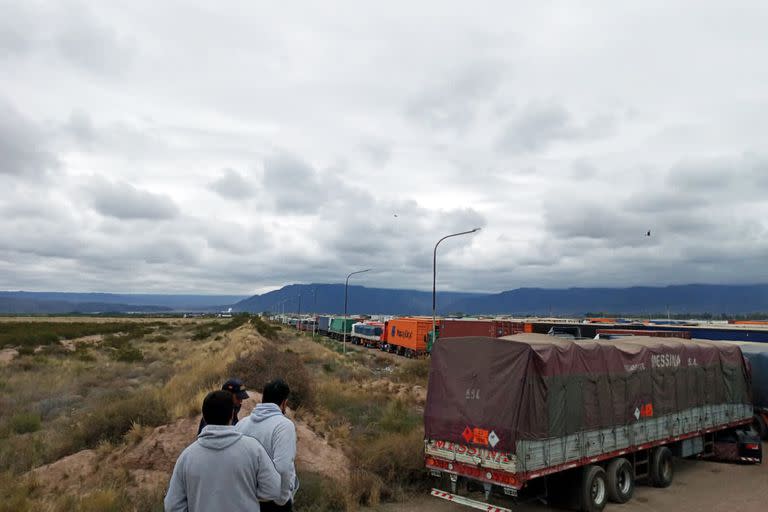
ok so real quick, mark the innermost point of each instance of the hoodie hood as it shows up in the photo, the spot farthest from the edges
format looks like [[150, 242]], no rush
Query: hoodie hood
[[218, 437], [264, 411]]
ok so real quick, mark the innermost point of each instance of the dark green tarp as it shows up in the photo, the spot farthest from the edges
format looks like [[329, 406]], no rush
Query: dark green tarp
[[532, 386]]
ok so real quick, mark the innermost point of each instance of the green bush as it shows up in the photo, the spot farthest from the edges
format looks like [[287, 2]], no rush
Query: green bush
[[26, 350], [399, 417], [259, 367], [128, 354], [265, 329], [25, 422]]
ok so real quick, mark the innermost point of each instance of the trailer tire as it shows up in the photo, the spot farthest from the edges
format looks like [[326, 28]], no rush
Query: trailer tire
[[594, 489], [621, 480], [761, 426], [661, 467]]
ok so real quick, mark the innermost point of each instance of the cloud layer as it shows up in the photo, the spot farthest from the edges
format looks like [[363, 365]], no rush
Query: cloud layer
[[180, 148]]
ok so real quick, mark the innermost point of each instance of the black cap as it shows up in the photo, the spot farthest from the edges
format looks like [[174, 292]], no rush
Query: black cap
[[236, 387]]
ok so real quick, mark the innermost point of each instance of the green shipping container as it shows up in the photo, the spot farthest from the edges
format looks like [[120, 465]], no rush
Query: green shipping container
[[341, 326]]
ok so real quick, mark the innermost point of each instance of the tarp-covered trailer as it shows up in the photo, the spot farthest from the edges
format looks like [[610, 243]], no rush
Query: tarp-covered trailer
[[535, 412], [367, 334], [340, 326], [757, 355]]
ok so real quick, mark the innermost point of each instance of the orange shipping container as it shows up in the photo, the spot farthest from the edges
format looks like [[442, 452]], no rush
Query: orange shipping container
[[409, 333]]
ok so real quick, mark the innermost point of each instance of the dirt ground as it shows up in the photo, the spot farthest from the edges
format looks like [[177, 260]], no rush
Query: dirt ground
[[698, 486]]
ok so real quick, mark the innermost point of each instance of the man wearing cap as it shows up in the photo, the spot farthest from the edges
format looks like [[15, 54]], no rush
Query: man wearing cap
[[237, 388], [277, 434]]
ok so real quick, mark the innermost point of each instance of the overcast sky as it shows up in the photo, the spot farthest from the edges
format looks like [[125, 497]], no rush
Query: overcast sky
[[235, 147]]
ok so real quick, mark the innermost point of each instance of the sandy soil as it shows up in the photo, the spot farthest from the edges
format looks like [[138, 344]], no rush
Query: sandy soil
[[7, 355], [698, 486]]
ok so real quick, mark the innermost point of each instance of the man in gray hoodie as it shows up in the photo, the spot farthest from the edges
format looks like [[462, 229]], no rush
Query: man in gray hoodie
[[223, 469], [269, 425]]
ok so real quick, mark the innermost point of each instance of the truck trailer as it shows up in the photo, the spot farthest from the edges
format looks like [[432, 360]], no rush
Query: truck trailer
[[579, 421], [757, 355], [408, 336]]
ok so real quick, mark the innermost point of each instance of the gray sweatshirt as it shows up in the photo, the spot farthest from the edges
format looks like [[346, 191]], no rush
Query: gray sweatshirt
[[277, 434], [222, 470]]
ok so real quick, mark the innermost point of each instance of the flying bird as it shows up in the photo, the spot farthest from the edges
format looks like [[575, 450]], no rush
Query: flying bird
[[648, 233]]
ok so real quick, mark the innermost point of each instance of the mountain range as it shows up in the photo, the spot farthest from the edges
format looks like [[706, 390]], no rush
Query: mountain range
[[19, 302], [329, 298], [694, 298]]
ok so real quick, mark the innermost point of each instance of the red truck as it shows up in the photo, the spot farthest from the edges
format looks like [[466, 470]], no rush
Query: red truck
[[579, 421]]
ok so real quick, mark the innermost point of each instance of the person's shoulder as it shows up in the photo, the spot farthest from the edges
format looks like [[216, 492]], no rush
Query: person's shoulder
[[251, 444], [287, 423]]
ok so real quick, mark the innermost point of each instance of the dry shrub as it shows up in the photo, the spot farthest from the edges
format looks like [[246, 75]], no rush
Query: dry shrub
[[137, 432], [19, 454], [318, 493], [16, 493], [348, 404], [106, 500], [398, 460], [116, 418], [364, 488], [203, 372], [256, 368], [413, 372]]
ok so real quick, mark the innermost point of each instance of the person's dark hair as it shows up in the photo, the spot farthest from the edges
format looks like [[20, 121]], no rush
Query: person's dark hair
[[275, 392], [218, 408]]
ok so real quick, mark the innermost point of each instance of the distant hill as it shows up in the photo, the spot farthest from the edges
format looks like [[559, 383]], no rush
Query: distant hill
[[694, 298], [329, 298], [20, 302], [716, 299], [14, 306]]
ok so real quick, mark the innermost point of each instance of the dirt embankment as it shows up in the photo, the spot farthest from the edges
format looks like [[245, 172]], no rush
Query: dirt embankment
[[148, 462]]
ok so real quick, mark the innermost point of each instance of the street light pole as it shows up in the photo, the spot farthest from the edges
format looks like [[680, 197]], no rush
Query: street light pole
[[434, 278], [344, 325], [298, 321]]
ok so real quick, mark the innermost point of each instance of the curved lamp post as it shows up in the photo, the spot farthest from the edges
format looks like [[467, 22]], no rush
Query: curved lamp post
[[344, 326], [434, 278]]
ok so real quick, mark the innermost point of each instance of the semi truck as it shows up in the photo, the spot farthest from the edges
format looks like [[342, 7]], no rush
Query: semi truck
[[408, 336], [579, 422], [367, 334]]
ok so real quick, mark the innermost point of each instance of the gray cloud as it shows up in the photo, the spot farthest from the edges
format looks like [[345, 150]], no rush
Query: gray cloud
[[539, 125], [479, 118], [293, 186], [124, 201], [454, 100], [233, 185], [23, 146], [68, 31]]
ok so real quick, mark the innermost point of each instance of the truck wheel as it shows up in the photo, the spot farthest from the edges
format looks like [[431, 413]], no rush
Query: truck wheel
[[761, 426], [661, 467], [594, 489], [621, 480]]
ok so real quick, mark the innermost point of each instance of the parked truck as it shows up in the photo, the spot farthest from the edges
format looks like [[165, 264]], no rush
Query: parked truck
[[579, 421], [408, 336], [340, 326], [367, 334]]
